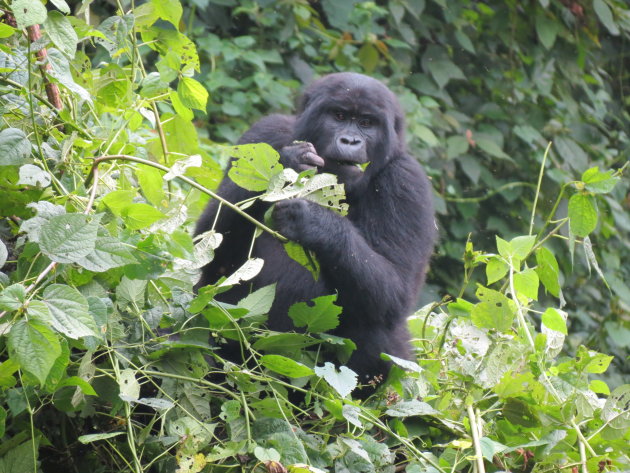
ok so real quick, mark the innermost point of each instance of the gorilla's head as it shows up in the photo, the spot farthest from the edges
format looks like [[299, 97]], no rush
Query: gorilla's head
[[352, 120]]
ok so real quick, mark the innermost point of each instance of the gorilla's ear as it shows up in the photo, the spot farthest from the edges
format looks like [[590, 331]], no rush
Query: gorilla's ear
[[399, 124], [304, 100]]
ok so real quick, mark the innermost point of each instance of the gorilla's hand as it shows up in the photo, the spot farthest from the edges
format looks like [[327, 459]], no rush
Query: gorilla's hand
[[300, 156], [304, 222]]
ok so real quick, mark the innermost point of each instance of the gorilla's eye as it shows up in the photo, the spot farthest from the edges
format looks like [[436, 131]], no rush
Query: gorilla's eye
[[340, 116], [365, 122]]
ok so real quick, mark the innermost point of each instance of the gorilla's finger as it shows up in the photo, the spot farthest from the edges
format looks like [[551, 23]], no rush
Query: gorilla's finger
[[314, 159]]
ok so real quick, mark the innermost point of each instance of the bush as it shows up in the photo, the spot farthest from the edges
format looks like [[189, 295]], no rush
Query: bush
[[107, 359]]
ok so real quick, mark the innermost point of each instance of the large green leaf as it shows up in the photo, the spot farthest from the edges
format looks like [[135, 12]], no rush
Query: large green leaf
[[319, 316], [343, 381], [494, 310], [14, 147], [69, 311], [582, 214], [35, 347], [285, 366], [70, 237], [254, 166]]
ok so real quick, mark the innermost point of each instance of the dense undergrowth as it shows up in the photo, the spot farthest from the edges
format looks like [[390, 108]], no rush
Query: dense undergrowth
[[107, 359]]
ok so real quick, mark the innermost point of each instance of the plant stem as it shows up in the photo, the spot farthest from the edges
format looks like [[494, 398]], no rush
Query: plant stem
[[540, 176], [474, 430], [227, 203]]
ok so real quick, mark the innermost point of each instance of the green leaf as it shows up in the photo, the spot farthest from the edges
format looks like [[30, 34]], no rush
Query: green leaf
[[496, 269], [492, 148], [319, 315], [4, 253], [118, 200], [616, 410], [494, 310], [285, 366], [599, 387], [150, 180], [6, 31], [254, 166], [582, 214], [599, 182], [456, 146], [605, 15], [321, 188], [285, 342], [411, 408], [61, 71], [444, 70], [182, 110], [12, 297], [35, 347], [518, 248], [61, 5], [520, 413], [108, 253], [69, 311], [303, 256], [352, 414], [548, 270], [343, 381], [61, 33], [192, 93], [547, 29], [14, 147], [598, 363], [68, 238], [86, 439], [28, 12], [368, 57], [266, 454], [571, 152], [259, 302], [426, 135], [139, 216], [526, 283], [128, 385], [489, 448], [169, 10], [553, 320], [31, 175]]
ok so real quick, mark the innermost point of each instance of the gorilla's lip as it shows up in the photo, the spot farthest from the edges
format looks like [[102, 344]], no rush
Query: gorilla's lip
[[347, 162]]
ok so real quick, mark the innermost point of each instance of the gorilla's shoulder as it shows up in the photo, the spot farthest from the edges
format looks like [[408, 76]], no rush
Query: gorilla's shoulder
[[275, 129]]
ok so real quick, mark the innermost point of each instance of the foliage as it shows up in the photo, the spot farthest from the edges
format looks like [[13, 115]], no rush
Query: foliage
[[107, 357]]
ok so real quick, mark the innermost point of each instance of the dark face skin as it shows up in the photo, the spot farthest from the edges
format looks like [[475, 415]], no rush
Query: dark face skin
[[345, 121], [350, 135]]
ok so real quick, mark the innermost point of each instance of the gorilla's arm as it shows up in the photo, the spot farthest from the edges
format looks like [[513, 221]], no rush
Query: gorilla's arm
[[378, 274], [277, 131]]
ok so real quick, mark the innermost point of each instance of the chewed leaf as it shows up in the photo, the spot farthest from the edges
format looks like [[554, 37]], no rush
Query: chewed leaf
[[254, 166], [322, 189]]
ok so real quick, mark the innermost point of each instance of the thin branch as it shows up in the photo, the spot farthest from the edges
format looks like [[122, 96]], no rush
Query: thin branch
[[52, 90], [227, 203]]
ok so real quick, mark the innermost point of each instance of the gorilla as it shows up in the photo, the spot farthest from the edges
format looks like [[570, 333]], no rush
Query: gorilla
[[376, 257]]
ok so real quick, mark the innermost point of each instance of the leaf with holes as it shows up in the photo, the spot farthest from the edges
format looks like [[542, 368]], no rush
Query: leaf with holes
[[494, 310], [254, 166]]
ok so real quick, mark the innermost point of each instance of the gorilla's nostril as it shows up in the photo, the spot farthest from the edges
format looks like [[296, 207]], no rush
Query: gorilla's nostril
[[349, 140]]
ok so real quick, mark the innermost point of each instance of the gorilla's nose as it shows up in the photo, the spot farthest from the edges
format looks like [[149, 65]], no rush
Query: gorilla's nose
[[347, 140]]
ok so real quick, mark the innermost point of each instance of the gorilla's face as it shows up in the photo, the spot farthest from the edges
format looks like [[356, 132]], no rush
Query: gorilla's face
[[354, 122]]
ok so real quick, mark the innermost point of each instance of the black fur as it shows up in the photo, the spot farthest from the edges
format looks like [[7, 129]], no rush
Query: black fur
[[376, 257]]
